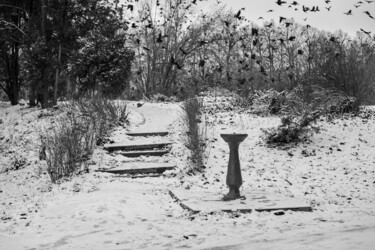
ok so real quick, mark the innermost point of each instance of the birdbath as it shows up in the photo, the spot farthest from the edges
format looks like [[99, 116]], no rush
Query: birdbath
[[234, 178]]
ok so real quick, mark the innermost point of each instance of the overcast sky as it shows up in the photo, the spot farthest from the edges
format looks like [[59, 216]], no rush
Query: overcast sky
[[332, 20]]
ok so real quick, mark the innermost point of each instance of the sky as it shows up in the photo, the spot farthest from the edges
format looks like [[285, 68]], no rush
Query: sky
[[332, 20]]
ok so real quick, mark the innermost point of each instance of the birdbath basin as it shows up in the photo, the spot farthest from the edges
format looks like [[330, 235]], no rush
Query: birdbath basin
[[234, 178]]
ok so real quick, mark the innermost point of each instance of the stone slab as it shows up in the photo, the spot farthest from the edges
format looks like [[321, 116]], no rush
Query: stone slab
[[147, 133], [140, 168], [144, 152], [197, 201], [135, 146]]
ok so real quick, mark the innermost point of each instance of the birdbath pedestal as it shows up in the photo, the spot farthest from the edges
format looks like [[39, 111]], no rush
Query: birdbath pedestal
[[234, 178]]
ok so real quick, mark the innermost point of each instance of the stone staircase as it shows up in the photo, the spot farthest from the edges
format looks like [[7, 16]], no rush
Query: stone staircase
[[135, 150]]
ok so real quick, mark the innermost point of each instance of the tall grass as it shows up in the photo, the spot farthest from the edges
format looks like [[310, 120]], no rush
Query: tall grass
[[83, 124], [196, 137]]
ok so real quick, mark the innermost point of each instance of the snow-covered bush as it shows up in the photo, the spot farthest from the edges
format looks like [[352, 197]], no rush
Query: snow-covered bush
[[196, 134], [301, 107], [71, 141]]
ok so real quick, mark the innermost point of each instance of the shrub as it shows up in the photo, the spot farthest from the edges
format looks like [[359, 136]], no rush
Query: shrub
[[292, 130], [196, 135], [83, 124], [302, 108]]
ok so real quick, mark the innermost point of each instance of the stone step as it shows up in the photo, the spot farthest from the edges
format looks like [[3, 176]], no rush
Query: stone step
[[140, 146], [145, 153], [158, 133], [140, 168]]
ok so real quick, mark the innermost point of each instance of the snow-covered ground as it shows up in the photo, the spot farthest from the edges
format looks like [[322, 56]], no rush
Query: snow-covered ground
[[334, 171]]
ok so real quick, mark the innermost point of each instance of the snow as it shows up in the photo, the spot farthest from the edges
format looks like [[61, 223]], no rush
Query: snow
[[334, 171]]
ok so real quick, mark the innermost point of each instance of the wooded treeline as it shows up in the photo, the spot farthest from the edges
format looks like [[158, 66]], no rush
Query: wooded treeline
[[64, 48], [59, 48]]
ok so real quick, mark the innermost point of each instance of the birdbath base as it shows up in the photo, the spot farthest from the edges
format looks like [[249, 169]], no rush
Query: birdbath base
[[234, 178], [232, 195]]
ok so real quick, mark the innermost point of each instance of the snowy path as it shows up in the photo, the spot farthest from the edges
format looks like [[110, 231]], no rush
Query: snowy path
[[101, 211]]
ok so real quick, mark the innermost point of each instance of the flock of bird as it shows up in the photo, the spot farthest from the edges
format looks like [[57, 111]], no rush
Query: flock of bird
[[238, 16], [316, 9]]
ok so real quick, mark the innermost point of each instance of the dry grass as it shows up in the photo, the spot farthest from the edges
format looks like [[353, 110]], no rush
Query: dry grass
[[75, 133], [196, 139]]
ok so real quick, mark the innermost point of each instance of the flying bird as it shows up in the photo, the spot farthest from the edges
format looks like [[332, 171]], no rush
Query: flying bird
[[269, 11], [327, 1], [279, 2], [130, 7], [281, 19], [368, 13], [238, 15], [159, 39], [366, 32], [348, 13], [305, 9], [201, 63], [329, 8]]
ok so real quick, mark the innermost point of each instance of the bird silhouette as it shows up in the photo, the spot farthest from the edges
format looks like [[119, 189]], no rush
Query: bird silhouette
[[348, 13], [366, 32], [329, 8], [238, 15], [305, 9], [281, 19], [159, 39], [368, 13], [269, 11], [327, 1], [202, 63], [279, 2], [130, 7]]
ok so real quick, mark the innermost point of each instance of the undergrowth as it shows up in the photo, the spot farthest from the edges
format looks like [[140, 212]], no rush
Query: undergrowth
[[301, 108], [196, 137], [84, 124]]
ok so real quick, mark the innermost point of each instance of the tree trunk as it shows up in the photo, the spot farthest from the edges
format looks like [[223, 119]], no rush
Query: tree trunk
[[45, 82], [57, 76]]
